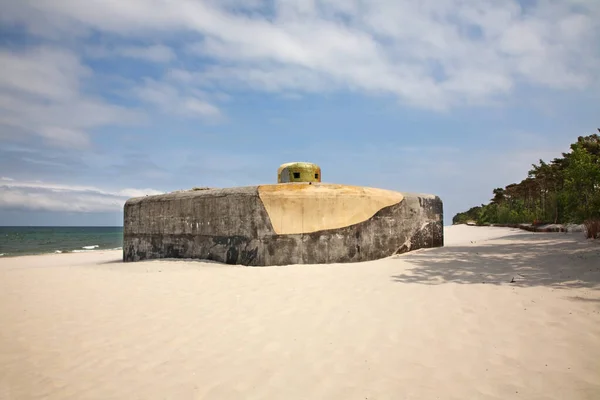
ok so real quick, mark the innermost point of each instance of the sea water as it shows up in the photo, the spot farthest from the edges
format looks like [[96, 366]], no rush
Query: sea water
[[21, 240]]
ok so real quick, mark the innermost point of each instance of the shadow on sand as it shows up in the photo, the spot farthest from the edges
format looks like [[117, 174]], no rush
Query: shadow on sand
[[524, 260], [115, 261]]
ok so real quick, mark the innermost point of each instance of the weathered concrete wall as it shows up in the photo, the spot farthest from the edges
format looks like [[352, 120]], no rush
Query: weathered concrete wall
[[234, 226]]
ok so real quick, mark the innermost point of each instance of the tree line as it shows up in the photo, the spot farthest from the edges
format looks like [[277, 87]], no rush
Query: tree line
[[564, 190]]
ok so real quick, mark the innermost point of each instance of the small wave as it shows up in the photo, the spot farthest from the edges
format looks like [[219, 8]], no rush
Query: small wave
[[116, 248], [90, 247], [58, 251], [1, 254]]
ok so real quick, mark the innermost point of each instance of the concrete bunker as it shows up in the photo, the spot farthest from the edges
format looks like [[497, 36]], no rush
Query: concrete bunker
[[299, 220]]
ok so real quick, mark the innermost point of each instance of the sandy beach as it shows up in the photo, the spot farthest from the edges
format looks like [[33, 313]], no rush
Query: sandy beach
[[495, 314]]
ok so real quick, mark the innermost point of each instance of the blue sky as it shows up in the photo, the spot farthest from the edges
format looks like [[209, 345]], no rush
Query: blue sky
[[103, 100]]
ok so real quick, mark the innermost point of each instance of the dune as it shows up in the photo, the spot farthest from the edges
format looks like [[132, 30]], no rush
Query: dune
[[497, 313]]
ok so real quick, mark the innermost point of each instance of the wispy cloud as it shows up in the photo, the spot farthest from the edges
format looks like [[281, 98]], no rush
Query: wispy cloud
[[432, 54], [41, 95], [21, 195], [176, 99]]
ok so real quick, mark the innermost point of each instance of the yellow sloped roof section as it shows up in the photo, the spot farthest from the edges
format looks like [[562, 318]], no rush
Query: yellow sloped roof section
[[302, 208]]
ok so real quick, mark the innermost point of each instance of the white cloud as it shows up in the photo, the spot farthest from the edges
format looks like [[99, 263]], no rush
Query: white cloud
[[41, 94], [196, 106], [68, 198], [42, 73], [14, 198], [176, 99], [65, 137], [432, 53]]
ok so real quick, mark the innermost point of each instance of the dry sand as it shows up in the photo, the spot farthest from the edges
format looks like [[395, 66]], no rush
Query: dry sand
[[433, 324]]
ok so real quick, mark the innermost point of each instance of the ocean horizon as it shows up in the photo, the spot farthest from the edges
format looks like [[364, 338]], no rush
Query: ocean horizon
[[29, 240]]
